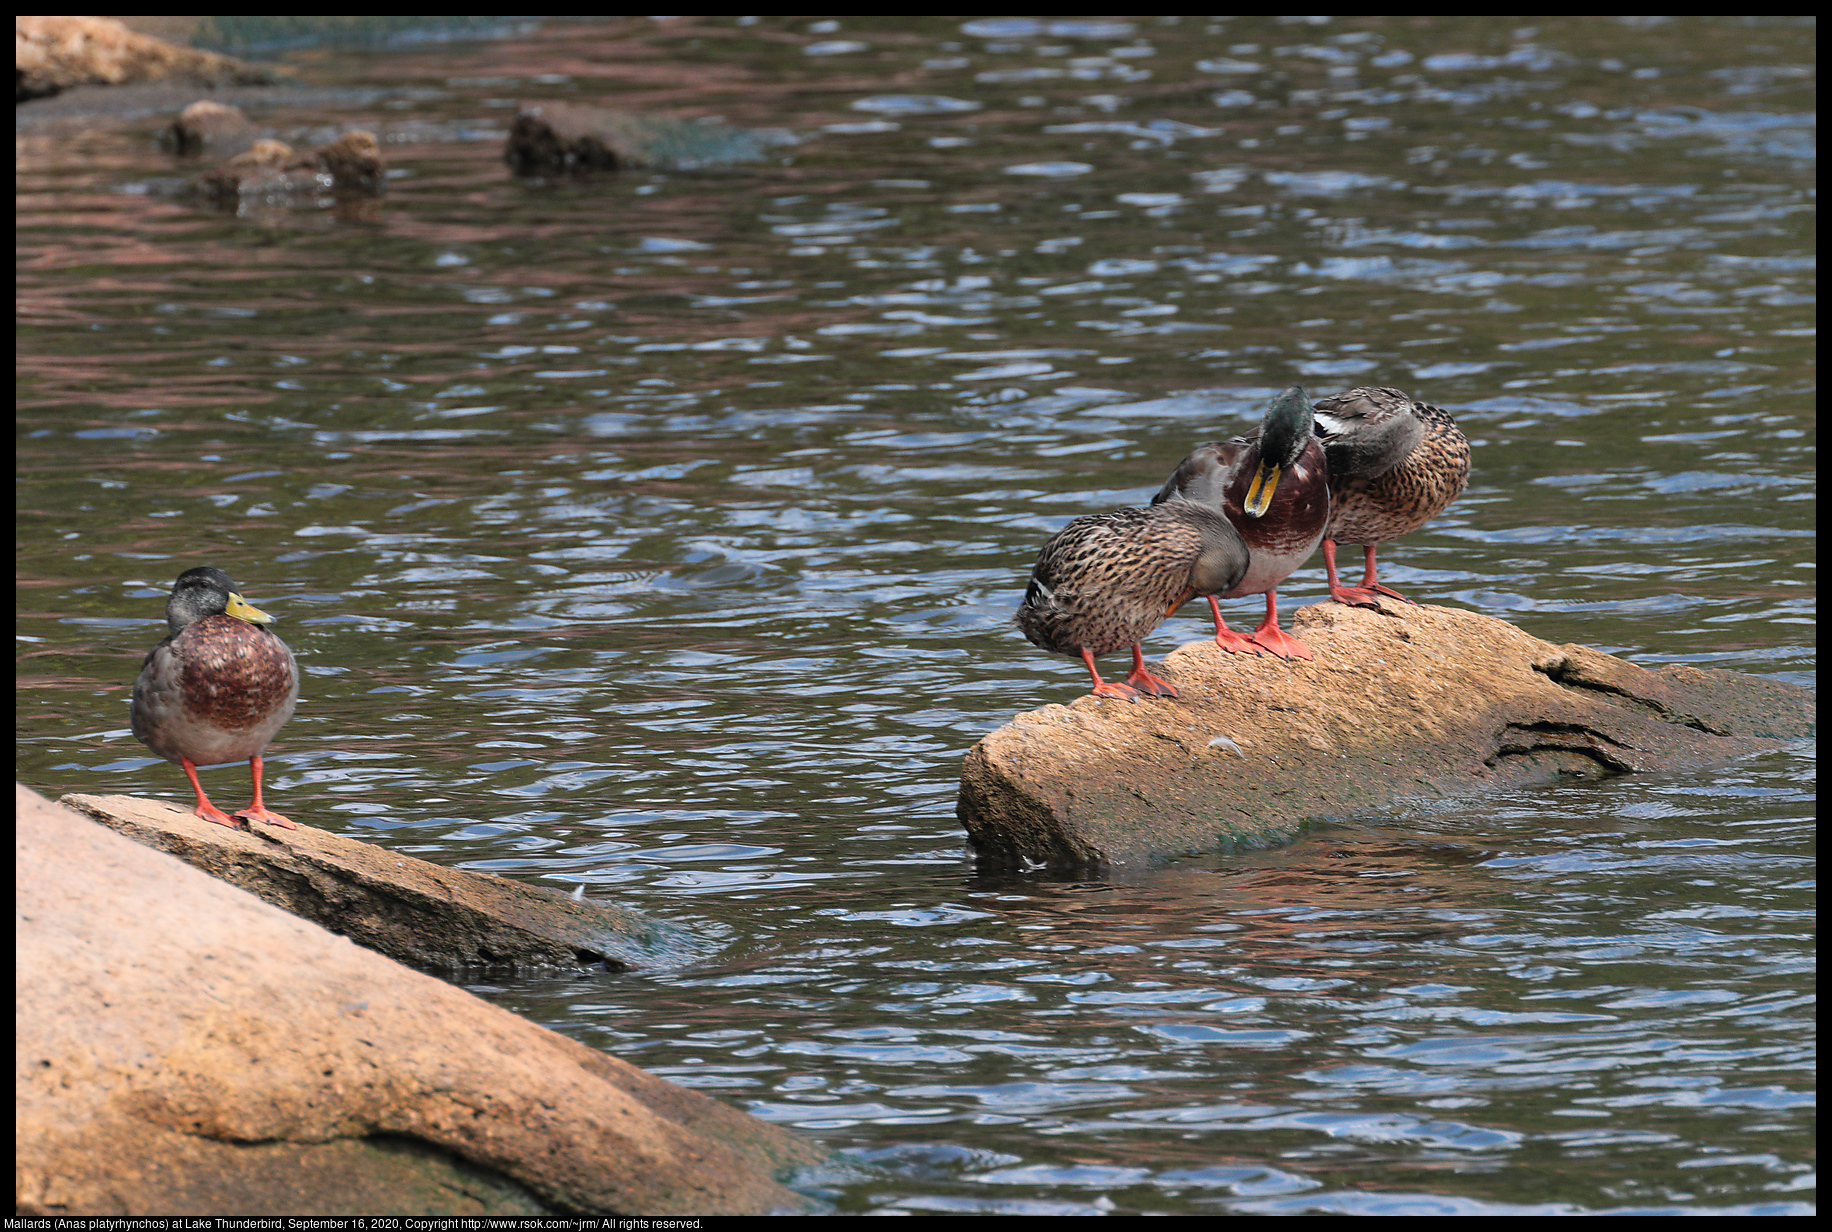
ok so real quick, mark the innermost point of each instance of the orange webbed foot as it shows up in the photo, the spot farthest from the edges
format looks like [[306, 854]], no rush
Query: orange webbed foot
[[210, 813], [1237, 643], [253, 813], [1144, 681], [1278, 642], [1228, 639], [1355, 596], [1150, 685]]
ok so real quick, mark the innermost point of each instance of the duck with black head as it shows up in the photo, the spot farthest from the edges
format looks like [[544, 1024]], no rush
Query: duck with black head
[[217, 689]]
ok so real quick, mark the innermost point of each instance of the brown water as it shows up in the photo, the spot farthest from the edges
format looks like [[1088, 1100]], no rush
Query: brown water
[[661, 534]]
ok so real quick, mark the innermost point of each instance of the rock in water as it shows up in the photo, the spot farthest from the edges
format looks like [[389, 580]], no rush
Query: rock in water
[[1416, 702]]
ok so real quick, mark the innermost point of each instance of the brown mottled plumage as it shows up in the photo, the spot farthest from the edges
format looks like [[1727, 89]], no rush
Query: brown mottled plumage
[[1274, 489], [217, 689], [1394, 464], [1107, 580]]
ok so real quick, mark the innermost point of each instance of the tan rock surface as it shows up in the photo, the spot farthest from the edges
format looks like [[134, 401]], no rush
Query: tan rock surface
[[409, 909], [183, 1048], [209, 125], [1403, 703], [55, 53]]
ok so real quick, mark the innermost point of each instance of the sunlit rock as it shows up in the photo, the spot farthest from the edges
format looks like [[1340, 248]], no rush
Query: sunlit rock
[[1401, 704], [184, 1048], [411, 910], [51, 54]]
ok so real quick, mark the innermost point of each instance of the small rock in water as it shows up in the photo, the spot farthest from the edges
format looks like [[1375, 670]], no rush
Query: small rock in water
[[348, 166], [206, 124]]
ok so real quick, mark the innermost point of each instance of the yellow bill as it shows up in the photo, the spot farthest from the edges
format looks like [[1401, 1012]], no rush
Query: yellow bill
[[1259, 496], [241, 609]]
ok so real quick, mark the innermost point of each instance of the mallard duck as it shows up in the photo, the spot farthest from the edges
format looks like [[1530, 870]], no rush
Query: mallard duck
[[1274, 487], [216, 689], [1394, 464], [1107, 580]]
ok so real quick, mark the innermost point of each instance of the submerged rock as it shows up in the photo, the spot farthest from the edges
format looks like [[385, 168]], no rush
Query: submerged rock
[[559, 137], [185, 1049], [1403, 703], [259, 170], [51, 54], [271, 170], [411, 910], [569, 138]]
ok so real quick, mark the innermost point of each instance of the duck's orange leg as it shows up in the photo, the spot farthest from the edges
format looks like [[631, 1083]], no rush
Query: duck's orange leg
[[1354, 596], [1104, 688], [1365, 595], [204, 809], [1228, 639], [1276, 639], [257, 811], [1144, 681]]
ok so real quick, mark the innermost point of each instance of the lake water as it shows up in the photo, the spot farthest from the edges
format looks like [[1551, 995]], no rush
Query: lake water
[[661, 534]]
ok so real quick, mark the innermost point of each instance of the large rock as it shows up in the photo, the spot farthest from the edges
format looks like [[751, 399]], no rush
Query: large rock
[[412, 910], [185, 1049], [1401, 703], [55, 53]]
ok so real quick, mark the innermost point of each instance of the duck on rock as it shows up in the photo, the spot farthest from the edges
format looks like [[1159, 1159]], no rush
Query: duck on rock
[[1394, 464], [1105, 581], [217, 689], [1273, 488]]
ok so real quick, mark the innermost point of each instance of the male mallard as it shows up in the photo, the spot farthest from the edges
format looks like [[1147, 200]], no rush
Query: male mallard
[[217, 689], [1106, 580], [1394, 464], [1274, 488]]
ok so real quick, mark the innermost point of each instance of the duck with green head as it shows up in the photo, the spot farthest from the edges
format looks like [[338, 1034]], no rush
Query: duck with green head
[[217, 689], [1273, 487]]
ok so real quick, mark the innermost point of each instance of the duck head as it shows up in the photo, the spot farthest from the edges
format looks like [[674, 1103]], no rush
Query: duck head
[[205, 592], [1283, 435]]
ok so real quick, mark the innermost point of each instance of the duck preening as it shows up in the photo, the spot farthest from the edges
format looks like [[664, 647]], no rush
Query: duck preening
[[1273, 488], [1394, 464], [1105, 581], [217, 689]]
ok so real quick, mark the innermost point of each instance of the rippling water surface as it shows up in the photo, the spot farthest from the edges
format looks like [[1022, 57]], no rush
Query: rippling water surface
[[661, 533]]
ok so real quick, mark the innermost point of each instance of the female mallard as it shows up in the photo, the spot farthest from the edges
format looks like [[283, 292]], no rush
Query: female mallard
[[1394, 464], [217, 689], [1274, 487], [1106, 580]]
